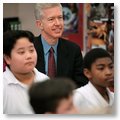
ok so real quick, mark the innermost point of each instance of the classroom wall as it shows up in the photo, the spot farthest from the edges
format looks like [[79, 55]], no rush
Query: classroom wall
[[26, 16]]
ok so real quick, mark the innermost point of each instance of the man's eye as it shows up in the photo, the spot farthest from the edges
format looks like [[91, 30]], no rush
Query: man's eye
[[51, 19], [60, 17]]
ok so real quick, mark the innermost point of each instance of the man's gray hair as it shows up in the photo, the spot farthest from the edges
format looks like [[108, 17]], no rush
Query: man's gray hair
[[39, 7]]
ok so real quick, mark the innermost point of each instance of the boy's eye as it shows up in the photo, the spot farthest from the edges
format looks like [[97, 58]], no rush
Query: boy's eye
[[21, 52], [111, 66], [100, 68], [32, 50]]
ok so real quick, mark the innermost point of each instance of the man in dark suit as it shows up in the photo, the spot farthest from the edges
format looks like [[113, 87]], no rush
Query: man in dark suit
[[68, 57]]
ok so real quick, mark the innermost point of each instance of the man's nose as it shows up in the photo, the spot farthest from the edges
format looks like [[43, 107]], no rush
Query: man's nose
[[57, 22]]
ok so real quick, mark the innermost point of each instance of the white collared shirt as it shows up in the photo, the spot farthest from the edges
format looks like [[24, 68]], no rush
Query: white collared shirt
[[15, 93], [89, 101]]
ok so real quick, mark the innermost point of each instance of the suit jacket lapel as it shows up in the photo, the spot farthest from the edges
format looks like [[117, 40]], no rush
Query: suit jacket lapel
[[61, 58]]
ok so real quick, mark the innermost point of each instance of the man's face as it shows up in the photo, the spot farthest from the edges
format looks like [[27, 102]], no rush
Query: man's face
[[51, 23]]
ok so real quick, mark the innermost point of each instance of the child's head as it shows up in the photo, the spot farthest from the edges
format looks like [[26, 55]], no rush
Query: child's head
[[18, 49], [98, 67], [52, 96]]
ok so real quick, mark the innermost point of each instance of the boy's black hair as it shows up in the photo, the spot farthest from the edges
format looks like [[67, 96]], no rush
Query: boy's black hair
[[10, 38], [93, 55], [45, 96], [6, 25]]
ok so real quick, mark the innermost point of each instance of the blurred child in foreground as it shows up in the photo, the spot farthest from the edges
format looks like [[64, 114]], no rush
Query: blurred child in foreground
[[54, 96]]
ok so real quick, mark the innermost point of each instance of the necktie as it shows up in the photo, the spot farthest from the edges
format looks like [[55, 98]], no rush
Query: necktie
[[51, 64]]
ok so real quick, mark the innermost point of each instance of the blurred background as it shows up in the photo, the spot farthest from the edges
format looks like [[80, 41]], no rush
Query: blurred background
[[90, 25]]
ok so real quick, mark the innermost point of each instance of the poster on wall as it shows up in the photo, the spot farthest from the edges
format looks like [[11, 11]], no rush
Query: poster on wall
[[73, 22], [100, 26]]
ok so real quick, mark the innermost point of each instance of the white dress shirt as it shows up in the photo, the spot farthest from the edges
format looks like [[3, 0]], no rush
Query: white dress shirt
[[89, 101], [15, 93]]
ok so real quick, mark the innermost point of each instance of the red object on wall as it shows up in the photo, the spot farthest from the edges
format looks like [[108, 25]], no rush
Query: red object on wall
[[77, 37]]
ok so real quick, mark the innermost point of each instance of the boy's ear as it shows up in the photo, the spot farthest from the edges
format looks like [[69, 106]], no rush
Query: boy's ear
[[87, 73], [7, 59], [39, 24]]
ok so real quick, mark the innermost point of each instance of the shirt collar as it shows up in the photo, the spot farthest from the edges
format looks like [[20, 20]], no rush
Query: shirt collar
[[97, 94], [46, 46], [13, 79]]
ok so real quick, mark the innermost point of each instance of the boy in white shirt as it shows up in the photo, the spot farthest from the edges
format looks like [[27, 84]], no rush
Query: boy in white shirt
[[95, 97], [20, 57]]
